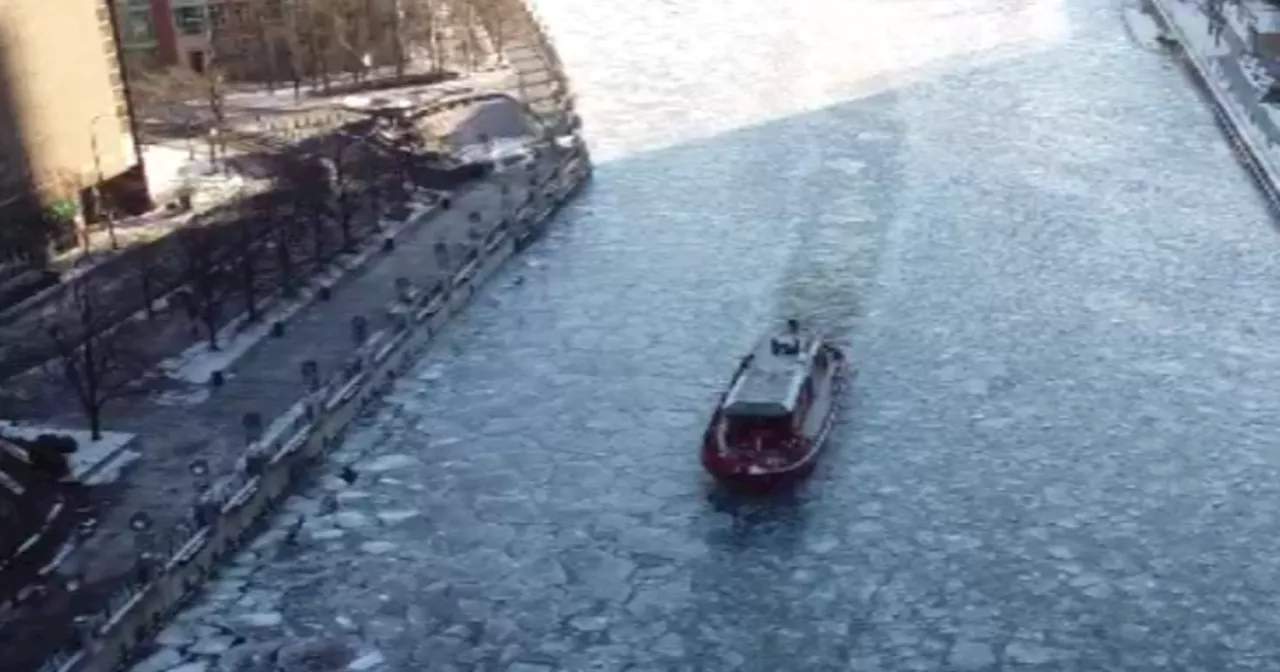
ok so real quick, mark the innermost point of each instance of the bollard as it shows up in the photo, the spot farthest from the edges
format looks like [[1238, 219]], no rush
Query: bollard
[[217, 379], [252, 423], [388, 244], [277, 329], [325, 293], [446, 203], [311, 375], [359, 330]]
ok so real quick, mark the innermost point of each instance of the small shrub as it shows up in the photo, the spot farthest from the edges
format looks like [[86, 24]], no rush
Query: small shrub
[[59, 443], [48, 462]]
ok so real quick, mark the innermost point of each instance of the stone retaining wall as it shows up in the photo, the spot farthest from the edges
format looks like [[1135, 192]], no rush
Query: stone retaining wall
[[239, 506]]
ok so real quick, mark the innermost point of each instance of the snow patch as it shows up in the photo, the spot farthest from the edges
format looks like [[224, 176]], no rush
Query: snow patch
[[197, 363], [111, 469], [90, 455], [193, 397]]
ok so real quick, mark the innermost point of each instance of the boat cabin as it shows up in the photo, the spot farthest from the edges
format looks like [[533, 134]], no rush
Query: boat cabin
[[773, 392]]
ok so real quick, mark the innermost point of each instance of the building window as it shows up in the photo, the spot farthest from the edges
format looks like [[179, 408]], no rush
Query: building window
[[136, 27], [190, 20], [218, 16]]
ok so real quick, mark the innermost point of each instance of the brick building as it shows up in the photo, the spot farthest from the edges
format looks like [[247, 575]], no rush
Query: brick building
[[65, 123], [252, 39]]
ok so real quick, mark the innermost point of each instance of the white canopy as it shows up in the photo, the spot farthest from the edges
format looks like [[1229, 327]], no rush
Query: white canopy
[[770, 386]]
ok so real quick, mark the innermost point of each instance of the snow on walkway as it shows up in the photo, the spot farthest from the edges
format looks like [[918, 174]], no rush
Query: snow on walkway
[[197, 363], [94, 462]]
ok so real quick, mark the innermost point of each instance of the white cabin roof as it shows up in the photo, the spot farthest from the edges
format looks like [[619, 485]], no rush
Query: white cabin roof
[[770, 385]]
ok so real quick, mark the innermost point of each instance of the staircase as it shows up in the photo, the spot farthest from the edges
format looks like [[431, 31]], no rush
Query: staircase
[[541, 80]]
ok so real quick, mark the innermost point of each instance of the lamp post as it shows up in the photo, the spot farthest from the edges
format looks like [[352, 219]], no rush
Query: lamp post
[[213, 140], [99, 178]]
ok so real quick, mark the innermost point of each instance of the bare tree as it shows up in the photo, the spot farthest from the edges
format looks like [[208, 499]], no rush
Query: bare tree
[[307, 183], [316, 39], [206, 279], [146, 273], [93, 362], [284, 233], [346, 189], [418, 28], [248, 264], [293, 23], [179, 101], [351, 23], [492, 16], [267, 21]]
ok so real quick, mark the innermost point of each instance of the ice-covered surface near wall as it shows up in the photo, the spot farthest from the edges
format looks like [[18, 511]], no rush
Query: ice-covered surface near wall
[[1193, 28], [1143, 27]]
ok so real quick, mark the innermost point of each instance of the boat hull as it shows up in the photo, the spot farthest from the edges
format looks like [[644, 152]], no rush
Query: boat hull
[[758, 482], [739, 474]]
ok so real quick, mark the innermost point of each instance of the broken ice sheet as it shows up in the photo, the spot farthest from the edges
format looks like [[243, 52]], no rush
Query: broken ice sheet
[[396, 516], [389, 463], [367, 661]]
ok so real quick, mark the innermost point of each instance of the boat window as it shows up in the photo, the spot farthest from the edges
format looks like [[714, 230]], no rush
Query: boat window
[[745, 430]]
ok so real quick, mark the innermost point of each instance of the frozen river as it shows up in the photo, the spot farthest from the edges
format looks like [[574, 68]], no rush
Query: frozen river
[[1059, 453]]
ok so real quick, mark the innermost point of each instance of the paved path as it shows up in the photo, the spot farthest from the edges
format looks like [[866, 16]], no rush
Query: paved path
[[266, 380]]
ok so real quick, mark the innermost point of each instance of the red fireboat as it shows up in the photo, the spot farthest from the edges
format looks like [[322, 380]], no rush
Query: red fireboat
[[772, 422]]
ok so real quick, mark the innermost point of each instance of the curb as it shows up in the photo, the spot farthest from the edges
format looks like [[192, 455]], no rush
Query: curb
[[1227, 111], [236, 508]]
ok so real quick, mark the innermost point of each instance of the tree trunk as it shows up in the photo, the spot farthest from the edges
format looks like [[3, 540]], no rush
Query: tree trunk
[[211, 326], [95, 421], [248, 274], [285, 260], [148, 293], [344, 220], [110, 232], [317, 235]]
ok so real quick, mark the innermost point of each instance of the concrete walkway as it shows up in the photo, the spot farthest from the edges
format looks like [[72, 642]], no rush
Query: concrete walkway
[[265, 380]]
